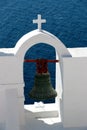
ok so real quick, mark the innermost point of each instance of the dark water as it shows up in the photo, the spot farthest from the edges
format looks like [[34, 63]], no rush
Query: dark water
[[67, 19]]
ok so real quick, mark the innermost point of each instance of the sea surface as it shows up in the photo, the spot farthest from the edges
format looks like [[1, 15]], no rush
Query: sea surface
[[66, 19]]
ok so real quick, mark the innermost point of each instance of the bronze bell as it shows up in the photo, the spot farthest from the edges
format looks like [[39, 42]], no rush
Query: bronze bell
[[42, 89]]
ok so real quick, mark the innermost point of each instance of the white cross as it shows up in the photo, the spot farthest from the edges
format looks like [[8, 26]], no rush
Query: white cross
[[39, 21]]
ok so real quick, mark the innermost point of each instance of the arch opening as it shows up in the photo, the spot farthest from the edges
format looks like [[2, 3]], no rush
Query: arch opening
[[40, 50], [35, 37]]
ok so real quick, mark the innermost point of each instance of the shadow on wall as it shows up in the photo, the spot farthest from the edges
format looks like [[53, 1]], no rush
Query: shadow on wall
[[33, 123]]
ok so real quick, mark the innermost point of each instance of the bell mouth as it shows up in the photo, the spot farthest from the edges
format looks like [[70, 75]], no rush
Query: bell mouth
[[42, 89]]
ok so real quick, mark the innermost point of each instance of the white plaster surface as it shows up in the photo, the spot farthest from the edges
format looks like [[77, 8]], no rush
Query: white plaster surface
[[12, 113], [75, 92], [73, 76], [11, 71], [78, 52], [2, 110], [41, 110], [75, 52], [53, 123]]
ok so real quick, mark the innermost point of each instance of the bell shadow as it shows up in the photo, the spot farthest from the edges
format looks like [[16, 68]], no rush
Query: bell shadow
[[33, 122]]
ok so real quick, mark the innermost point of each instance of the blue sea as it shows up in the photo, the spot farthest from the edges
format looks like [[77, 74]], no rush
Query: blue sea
[[66, 19]]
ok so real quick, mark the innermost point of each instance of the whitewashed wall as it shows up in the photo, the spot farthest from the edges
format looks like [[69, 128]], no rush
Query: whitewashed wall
[[10, 70], [11, 93], [75, 92]]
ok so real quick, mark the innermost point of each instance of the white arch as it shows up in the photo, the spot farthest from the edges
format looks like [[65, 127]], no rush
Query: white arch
[[42, 36], [37, 36]]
